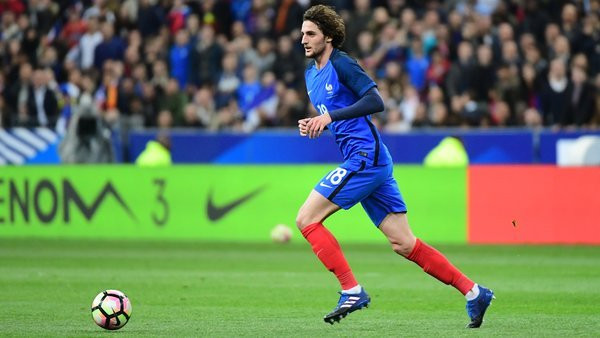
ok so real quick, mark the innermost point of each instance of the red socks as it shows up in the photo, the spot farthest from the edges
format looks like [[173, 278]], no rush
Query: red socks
[[437, 265], [328, 250]]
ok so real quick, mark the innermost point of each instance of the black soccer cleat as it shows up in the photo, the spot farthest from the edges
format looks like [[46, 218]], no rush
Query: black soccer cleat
[[476, 308], [348, 303]]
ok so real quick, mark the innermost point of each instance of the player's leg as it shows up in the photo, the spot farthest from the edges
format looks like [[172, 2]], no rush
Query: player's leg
[[342, 187], [387, 210], [310, 219], [395, 227], [397, 230]]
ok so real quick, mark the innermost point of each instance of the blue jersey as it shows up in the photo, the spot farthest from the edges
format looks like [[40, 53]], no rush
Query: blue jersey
[[340, 84]]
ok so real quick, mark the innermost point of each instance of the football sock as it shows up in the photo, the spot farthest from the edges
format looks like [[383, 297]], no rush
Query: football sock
[[437, 265], [353, 291], [328, 250], [473, 293]]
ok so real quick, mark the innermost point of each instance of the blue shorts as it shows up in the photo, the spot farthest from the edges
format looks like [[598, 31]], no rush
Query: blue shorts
[[355, 181]]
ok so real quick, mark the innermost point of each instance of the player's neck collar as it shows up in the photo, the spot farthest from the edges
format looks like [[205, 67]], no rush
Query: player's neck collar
[[333, 50]]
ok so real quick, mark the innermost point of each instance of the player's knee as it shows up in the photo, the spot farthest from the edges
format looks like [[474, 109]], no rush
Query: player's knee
[[305, 219], [302, 221], [403, 248]]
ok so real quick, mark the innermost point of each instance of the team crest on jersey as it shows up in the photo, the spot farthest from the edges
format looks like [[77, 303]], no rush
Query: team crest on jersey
[[329, 88]]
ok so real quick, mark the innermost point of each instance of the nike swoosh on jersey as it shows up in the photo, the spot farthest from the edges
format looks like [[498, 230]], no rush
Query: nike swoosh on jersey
[[325, 185], [215, 212]]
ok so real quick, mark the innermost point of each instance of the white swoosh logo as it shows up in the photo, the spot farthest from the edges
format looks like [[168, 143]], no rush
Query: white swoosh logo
[[324, 185]]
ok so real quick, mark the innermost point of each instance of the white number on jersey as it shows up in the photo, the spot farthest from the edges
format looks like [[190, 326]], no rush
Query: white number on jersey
[[322, 109], [336, 176]]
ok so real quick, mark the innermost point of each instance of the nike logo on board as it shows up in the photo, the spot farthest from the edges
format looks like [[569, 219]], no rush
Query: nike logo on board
[[215, 212]]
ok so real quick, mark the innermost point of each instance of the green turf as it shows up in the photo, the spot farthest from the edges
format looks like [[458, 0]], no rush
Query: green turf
[[217, 289]]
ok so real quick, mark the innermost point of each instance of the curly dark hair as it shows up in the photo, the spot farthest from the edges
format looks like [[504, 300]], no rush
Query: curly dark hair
[[329, 22]]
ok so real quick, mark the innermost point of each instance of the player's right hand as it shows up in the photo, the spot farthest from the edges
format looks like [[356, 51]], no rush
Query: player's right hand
[[302, 126]]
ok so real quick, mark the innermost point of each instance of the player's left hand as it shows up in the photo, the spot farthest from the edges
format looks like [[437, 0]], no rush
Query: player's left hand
[[316, 125]]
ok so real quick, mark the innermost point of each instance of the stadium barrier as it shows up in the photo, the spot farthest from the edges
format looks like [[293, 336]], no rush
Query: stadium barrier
[[480, 205], [502, 146], [207, 202]]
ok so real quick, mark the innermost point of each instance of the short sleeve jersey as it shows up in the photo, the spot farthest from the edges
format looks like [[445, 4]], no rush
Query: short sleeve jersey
[[340, 83]]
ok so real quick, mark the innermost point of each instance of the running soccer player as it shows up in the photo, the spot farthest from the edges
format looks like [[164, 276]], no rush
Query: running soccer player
[[345, 97]]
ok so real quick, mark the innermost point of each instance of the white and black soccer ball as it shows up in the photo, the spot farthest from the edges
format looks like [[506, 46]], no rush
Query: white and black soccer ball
[[111, 309]]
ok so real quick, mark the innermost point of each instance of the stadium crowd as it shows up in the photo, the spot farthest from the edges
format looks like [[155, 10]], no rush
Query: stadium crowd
[[239, 64]]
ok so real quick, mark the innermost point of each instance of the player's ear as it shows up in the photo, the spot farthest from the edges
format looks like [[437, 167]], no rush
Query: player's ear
[[328, 39]]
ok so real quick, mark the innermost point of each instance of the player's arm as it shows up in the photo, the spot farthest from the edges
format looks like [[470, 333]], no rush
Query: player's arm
[[370, 103]]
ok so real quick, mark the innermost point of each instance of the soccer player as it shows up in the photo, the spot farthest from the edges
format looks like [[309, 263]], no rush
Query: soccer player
[[345, 97]]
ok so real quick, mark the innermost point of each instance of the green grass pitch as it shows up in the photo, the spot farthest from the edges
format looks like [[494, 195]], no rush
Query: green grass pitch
[[232, 289]]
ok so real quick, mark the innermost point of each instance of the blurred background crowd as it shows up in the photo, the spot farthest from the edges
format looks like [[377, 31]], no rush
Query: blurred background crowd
[[239, 65]]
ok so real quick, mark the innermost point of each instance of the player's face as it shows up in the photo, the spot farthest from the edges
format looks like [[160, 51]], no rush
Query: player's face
[[313, 40]]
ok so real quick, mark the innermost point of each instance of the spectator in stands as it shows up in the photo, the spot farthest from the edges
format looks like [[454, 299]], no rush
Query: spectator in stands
[[438, 115], [393, 40], [160, 74], [532, 118], [229, 82], [174, 101], [190, 117], [149, 105], [484, 75], [408, 106], [177, 16], [581, 103], [263, 111], [16, 94], [288, 17], [462, 72], [266, 55], [417, 65], [291, 108], [438, 68], [507, 89], [74, 29], [111, 48], [205, 107], [179, 58], [205, 58], [150, 17], [84, 53], [9, 27], [530, 84], [230, 116], [248, 89], [100, 10], [164, 119], [554, 95], [359, 19], [288, 65], [42, 104], [500, 115]]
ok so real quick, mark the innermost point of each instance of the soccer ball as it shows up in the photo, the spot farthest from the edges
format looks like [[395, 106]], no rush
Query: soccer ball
[[281, 233], [111, 309]]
